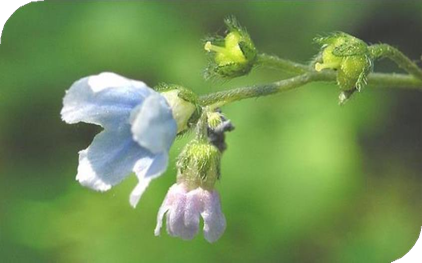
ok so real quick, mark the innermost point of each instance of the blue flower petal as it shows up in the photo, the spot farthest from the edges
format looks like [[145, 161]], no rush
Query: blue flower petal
[[153, 125], [115, 102], [146, 170], [111, 157], [105, 99]]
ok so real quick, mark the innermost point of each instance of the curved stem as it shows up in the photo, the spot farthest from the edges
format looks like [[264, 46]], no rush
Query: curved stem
[[221, 98], [386, 51], [282, 64]]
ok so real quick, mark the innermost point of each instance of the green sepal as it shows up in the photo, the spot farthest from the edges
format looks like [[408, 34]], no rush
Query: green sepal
[[233, 25], [188, 95], [227, 71], [331, 38], [199, 165], [163, 87], [249, 52], [350, 49], [326, 40], [353, 72], [184, 93]]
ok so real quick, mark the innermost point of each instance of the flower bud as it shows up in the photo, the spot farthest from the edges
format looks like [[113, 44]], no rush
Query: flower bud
[[199, 165], [353, 72], [349, 56], [183, 103], [231, 56], [330, 61], [184, 208], [194, 196], [214, 119]]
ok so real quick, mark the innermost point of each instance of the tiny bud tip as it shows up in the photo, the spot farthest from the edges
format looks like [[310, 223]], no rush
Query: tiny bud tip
[[318, 67], [208, 46]]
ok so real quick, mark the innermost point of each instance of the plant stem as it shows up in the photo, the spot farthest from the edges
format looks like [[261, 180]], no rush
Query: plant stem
[[386, 51], [202, 126], [221, 98], [282, 64], [399, 81]]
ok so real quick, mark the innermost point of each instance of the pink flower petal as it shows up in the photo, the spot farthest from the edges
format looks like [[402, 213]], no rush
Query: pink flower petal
[[214, 220]]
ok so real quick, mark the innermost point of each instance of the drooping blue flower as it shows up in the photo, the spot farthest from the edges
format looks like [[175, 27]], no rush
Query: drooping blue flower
[[139, 128]]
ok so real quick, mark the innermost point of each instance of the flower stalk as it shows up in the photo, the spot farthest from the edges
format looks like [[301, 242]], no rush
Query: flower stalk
[[222, 98], [375, 80], [275, 62], [202, 126], [380, 51]]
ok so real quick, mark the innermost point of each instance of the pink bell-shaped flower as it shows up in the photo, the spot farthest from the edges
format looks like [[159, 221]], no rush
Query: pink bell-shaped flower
[[184, 208], [194, 196]]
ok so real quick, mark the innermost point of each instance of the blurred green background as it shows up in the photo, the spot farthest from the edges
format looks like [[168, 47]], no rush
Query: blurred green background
[[303, 180]]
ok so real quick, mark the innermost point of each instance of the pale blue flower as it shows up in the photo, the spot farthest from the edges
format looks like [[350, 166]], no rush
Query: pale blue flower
[[139, 129]]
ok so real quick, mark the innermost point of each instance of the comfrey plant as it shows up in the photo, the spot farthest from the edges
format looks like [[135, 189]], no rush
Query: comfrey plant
[[141, 123]]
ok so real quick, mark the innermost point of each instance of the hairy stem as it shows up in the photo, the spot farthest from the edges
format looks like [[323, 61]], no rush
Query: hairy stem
[[398, 81], [282, 64], [386, 51], [221, 98], [202, 126], [375, 80]]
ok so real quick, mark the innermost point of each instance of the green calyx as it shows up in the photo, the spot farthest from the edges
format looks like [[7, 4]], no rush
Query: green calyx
[[353, 72], [184, 104], [184, 93], [233, 55], [349, 56], [199, 165]]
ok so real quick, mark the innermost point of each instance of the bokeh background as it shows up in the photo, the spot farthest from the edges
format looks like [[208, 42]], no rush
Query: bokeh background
[[303, 180]]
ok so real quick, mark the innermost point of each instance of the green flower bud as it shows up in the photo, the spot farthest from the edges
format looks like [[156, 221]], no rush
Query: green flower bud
[[214, 119], [330, 61], [353, 72], [199, 165], [183, 103], [349, 56], [231, 56]]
